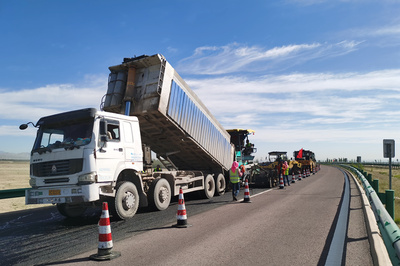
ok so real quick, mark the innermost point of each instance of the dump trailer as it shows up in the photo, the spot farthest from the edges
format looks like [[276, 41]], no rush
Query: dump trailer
[[86, 156]]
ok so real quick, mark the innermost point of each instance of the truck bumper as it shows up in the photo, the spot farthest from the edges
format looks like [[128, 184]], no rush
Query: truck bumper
[[73, 194]]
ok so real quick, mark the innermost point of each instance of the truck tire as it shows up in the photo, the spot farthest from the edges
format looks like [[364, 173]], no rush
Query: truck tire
[[71, 210], [160, 194], [126, 201], [269, 182], [209, 187], [220, 185]]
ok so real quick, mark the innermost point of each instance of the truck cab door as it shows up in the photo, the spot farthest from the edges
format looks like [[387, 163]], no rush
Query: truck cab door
[[110, 151], [133, 148]]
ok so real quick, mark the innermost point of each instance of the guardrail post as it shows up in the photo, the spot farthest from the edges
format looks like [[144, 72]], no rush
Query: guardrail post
[[382, 197], [375, 185], [390, 202], [369, 178]]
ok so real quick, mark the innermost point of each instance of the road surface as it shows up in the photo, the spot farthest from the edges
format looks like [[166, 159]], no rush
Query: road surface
[[290, 226]]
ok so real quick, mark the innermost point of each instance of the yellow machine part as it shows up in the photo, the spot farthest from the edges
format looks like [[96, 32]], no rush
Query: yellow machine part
[[292, 163]]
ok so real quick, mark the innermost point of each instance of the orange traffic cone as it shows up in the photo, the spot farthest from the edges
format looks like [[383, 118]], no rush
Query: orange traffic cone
[[181, 214], [104, 251], [246, 192], [293, 177], [281, 181]]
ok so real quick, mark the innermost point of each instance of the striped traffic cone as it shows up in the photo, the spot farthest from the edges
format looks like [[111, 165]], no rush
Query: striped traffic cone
[[299, 176], [308, 172], [246, 192], [181, 214], [281, 181], [304, 174], [104, 251], [293, 177]]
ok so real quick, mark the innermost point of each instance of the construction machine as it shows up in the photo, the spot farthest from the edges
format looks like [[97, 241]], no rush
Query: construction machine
[[306, 159]]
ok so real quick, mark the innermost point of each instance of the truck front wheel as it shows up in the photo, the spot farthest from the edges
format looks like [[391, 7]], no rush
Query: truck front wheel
[[71, 210], [160, 194], [126, 200]]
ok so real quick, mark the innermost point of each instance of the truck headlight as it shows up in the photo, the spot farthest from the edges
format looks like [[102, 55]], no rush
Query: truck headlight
[[87, 178], [32, 182]]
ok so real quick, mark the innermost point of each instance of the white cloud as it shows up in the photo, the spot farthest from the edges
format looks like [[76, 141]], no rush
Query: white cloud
[[31, 104], [348, 109], [388, 30], [233, 58], [326, 95], [16, 132]]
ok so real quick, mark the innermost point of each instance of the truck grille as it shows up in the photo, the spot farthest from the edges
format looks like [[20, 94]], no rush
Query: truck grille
[[56, 180], [57, 168]]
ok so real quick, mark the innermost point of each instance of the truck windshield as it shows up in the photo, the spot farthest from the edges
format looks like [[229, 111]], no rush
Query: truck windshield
[[64, 135]]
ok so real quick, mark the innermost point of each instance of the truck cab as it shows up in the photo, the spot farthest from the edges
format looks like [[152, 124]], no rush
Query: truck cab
[[78, 156]]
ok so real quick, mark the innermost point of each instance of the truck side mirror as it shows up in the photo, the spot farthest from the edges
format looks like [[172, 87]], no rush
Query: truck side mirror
[[103, 127], [23, 126]]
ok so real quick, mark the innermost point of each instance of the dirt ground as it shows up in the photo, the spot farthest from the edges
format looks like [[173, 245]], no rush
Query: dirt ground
[[14, 174]]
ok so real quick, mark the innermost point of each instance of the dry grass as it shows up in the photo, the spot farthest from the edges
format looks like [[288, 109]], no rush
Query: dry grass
[[14, 174], [382, 174]]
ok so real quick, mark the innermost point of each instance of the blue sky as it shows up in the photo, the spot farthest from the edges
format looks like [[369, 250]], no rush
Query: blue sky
[[322, 75]]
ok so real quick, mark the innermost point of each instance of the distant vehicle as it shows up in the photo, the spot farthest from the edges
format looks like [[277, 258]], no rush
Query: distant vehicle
[[307, 160], [266, 174], [244, 149]]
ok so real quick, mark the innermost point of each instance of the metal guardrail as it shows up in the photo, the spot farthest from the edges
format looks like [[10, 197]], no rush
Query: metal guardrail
[[395, 165], [12, 193], [389, 230]]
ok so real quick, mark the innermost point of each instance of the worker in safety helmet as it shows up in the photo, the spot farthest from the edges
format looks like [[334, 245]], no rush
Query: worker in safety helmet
[[235, 175], [158, 168]]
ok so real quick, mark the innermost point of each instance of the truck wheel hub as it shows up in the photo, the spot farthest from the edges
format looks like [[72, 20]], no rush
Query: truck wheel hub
[[163, 194], [129, 200]]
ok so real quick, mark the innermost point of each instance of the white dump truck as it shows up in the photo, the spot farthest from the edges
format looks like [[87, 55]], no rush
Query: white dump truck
[[86, 156]]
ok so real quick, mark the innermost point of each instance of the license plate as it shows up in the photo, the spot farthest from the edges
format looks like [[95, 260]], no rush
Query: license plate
[[54, 192]]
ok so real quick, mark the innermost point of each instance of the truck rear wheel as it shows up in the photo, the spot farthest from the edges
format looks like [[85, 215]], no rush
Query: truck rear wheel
[[269, 182], [160, 194], [126, 201], [71, 210], [209, 187], [220, 185]]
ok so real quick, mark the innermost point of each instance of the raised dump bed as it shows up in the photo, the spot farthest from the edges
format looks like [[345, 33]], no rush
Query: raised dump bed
[[173, 121]]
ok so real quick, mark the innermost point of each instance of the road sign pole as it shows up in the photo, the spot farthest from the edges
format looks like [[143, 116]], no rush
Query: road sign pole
[[390, 172], [389, 152]]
